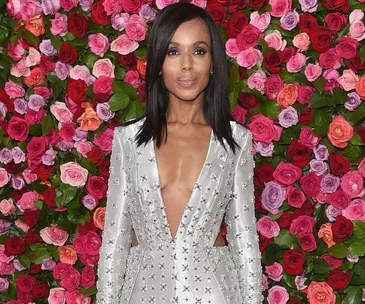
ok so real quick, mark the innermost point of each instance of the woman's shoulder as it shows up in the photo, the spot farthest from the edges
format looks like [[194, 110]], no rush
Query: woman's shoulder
[[130, 126], [239, 130]]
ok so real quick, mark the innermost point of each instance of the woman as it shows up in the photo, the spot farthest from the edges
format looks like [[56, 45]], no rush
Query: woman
[[175, 173]]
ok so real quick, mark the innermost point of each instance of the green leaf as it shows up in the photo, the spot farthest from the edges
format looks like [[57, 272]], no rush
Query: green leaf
[[359, 270], [14, 39], [269, 108], [359, 229], [272, 254], [135, 109], [119, 72], [47, 125], [53, 78], [40, 255], [321, 266], [354, 154], [234, 75], [118, 101], [123, 87], [4, 34], [88, 292], [338, 251], [317, 100], [64, 194], [56, 42], [285, 240], [319, 84], [289, 280], [89, 165], [30, 37], [353, 295], [320, 122], [38, 204], [24, 260], [141, 53], [362, 53], [356, 140], [357, 248], [357, 115]]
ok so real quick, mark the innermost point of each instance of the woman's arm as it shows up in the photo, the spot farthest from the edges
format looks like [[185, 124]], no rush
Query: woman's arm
[[117, 228], [241, 224]]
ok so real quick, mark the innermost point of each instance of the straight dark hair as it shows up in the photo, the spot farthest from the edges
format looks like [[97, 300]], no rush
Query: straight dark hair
[[215, 106]]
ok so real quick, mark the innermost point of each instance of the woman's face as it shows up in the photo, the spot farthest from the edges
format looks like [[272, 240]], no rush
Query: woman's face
[[188, 61]]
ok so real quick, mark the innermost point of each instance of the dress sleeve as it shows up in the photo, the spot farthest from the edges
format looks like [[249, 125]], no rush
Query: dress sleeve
[[241, 224], [117, 234]]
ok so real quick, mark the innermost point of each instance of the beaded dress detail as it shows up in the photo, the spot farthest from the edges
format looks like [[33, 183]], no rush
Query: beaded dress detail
[[186, 269]]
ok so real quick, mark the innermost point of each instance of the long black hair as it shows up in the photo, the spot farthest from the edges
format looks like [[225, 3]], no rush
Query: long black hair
[[215, 106]]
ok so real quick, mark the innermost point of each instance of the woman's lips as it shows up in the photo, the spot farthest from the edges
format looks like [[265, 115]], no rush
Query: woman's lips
[[186, 82]]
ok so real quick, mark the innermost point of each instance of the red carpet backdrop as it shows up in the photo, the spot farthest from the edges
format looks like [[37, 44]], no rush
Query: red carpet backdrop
[[73, 70]]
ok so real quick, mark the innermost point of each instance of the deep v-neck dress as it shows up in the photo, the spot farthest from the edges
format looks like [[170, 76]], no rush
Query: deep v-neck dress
[[186, 269]]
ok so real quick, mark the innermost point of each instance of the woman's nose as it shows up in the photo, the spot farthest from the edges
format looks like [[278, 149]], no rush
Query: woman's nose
[[186, 62]]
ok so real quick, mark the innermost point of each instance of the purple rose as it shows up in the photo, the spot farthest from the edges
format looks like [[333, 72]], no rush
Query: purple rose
[[353, 102], [330, 183], [289, 21], [4, 226], [265, 149], [318, 166], [332, 212], [272, 197], [320, 152], [4, 284], [288, 117]]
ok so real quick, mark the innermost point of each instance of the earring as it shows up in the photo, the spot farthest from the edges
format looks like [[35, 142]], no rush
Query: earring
[[160, 73], [211, 73]]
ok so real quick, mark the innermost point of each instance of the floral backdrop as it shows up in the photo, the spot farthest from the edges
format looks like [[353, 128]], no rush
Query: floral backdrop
[[72, 70]]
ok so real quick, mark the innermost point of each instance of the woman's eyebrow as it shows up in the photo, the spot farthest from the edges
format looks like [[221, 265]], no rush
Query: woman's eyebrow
[[195, 43]]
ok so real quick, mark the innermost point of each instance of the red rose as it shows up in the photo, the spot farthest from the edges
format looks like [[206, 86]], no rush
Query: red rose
[[311, 184], [263, 174], [321, 40], [91, 242], [293, 261], [273, 61], [128, 60], [339, 199], [342, 229], [346, 47], [248, 37], [256, 4], [32, 238], [84, 229], [335, 21], [264, 242], [356, 64], [361, 131], [306, 116], [46, 64], [77, 24], [14, 245], [37, 146], [25, 282], [95, 155], [298, 154], [308, 242], [88, 277], [60, 270], [307, 23], [22, 297], [338, 279], [295, 301], [286, 173], [100, 98], [67, 53], [131, 6], [248, 101], [49, 197], [70, 279], [104, 169], [338, 164], [307, 208], [17, 128], [97, 187], [35, 268], [40, 290], [285, 220], [235, 5], [76, 89], [98, 14], [236, 23], [44, 171], [332, 5], [31, 217], [288, 53], [217, 11]]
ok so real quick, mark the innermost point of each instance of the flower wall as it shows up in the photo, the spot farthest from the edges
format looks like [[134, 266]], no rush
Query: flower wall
[[73, 70]]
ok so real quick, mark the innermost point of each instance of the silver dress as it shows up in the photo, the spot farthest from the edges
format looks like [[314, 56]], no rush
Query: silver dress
[[186, 269]]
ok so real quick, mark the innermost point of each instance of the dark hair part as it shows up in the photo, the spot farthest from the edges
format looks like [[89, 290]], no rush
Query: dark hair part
[[215, 105]]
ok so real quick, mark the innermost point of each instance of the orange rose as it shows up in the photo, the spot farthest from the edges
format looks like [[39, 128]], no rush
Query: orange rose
[[360, 87], [325, 232], [89, 120], [67, 254], [288, 95], [35, 78], [141, 67], [340, 132], [98, 217], [36, 25], [320, 293]]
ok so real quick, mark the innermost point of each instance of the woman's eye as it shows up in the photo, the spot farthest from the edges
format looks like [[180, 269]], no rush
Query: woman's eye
[[172, 52], [200, 51]]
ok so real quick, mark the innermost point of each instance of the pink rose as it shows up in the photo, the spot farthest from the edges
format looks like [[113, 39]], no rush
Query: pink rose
[[68, 5], [44, 92], [119, 21], [296, 62], [295, 197], [331, 77], [136, 28], [277, 295], [27, 201], [312, 71], [260, 21], [132, 77], [7, 205], [98, 43], [280, 7], [88, 277], [262, 128], [286, 173], [346, 47], [267, 227], [103, 67], [20, 69], [104, 140], [308, 242], [80, 72], [59, 25], [14, 90], [13, 7], [320, 292], [29, 9], [239, 114], [302, 225], [308, 139], [302, 42], [61, 112], [70, 279], [348, 80], [123, 45], [330, 59], [53, 235], [257, 81], [357, 30], [361, 167], [274, 271], [18, 128], [75, 297], [73, 174], [50, 7], [275, 40], [355, 211], [103, 85], [163, 3], [273, 86], [305, 93], [112, 7], [232, 50], [249, 58], [338, 199], [352, 183], [17, 50], [57, 296]]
